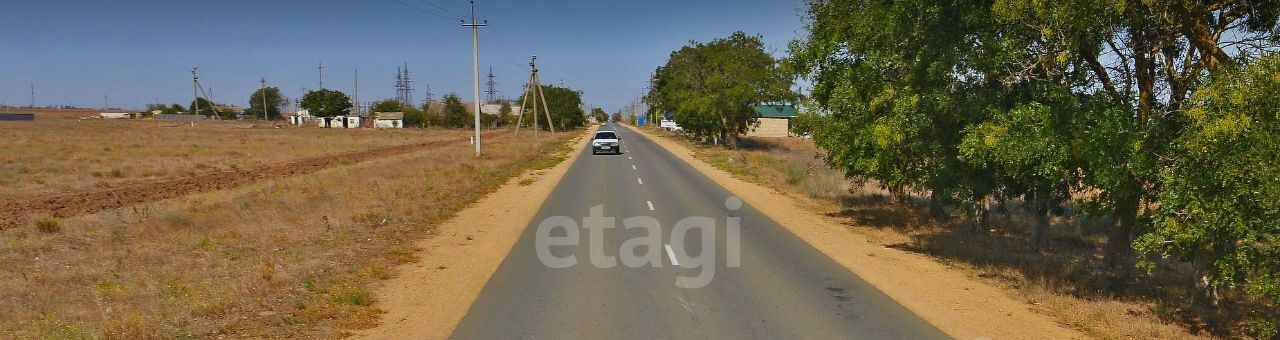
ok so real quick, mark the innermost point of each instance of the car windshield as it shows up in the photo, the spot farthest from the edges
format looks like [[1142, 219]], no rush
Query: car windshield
[[606, 135]]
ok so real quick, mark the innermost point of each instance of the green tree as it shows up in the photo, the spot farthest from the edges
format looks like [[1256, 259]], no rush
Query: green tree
[[1219, 207], [173, 110], [505, 114], [456, 114], [274, 102], [599, 115], [894, 86], [326, 103], [386, 105], [413, 117], [1145, 58], [565, 105], [206, 107], [713, 85]]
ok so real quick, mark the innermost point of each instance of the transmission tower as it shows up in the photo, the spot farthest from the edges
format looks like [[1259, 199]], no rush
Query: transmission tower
[[404, 86], [492, 92]]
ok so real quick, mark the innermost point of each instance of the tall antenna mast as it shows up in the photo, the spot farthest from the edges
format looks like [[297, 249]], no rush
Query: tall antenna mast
[[321, 68], [33, 95]]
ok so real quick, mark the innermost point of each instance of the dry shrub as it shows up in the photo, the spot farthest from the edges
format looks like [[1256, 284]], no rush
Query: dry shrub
[[48, 225]]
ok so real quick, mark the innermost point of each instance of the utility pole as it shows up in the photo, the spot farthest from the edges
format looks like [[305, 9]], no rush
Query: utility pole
[[475, 68], [195, 91], [356, 93], [321, 68], [33, 95], [263, 93], [105, 104]]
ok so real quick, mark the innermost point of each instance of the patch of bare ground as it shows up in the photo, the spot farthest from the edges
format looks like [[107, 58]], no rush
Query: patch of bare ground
[[1063, 281], [52, 156], [282, 257], [16, 211]]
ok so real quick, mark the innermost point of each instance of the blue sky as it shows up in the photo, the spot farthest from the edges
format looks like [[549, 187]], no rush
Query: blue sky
[[138, 52]]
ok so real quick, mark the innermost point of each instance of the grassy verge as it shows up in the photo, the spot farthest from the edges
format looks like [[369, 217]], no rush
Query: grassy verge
[[1063, 281], [286, 257]]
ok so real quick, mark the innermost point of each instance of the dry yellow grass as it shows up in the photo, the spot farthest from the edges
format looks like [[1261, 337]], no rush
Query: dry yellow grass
[[1063, 282], [65, 155], [285, 257]]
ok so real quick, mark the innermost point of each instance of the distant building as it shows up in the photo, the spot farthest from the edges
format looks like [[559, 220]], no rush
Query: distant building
[[388, 120], [118, 115], [300, 118], [340, 122], [775, 120]]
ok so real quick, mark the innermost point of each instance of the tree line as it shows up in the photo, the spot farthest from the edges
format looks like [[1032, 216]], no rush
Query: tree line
[[1159, 115], [451, 112]]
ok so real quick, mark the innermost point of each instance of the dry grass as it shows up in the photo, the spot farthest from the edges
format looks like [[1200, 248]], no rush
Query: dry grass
[[66, 155], [1064, 280], [286, 257]]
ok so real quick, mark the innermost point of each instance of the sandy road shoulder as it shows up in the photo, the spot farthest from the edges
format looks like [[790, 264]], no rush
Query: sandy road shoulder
[[958, 305], [428, 298]]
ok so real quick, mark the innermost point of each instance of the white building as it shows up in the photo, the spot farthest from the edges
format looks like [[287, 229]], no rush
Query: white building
[[388, 120]]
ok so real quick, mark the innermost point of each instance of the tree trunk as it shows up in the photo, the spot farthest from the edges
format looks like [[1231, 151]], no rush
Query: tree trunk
[[981, 215], [936, 210], [1120, 241], [1040, 231]]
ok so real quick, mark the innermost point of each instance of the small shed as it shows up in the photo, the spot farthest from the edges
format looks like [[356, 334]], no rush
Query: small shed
[[340, 122], [775, 120], [300, 118], [388, 120]]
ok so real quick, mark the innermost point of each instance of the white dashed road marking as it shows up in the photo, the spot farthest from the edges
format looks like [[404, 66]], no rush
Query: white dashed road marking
[[650, 205], [672, 255], [639, 181]]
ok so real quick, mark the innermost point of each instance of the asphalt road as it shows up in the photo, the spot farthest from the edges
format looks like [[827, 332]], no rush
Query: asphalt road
[[781, 287]]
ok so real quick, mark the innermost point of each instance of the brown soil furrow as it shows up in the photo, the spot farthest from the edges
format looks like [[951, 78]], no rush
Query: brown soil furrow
[[16, 211]]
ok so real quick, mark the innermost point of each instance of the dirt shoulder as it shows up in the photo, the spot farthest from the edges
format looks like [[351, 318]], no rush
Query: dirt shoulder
[[949, 299], [427, 299]]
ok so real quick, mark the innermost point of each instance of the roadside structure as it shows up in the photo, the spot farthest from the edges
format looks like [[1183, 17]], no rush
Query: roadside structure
[[388, 120], [775, 120]]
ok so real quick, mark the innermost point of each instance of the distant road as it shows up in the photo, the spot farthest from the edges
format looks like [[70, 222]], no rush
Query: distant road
[[782, 288]]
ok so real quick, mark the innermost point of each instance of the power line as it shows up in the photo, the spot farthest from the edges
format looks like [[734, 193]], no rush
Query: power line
[[446, 10], [426, 11]]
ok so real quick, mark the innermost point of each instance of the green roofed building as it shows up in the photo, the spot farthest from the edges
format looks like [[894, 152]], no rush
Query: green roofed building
[[775, 120]]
